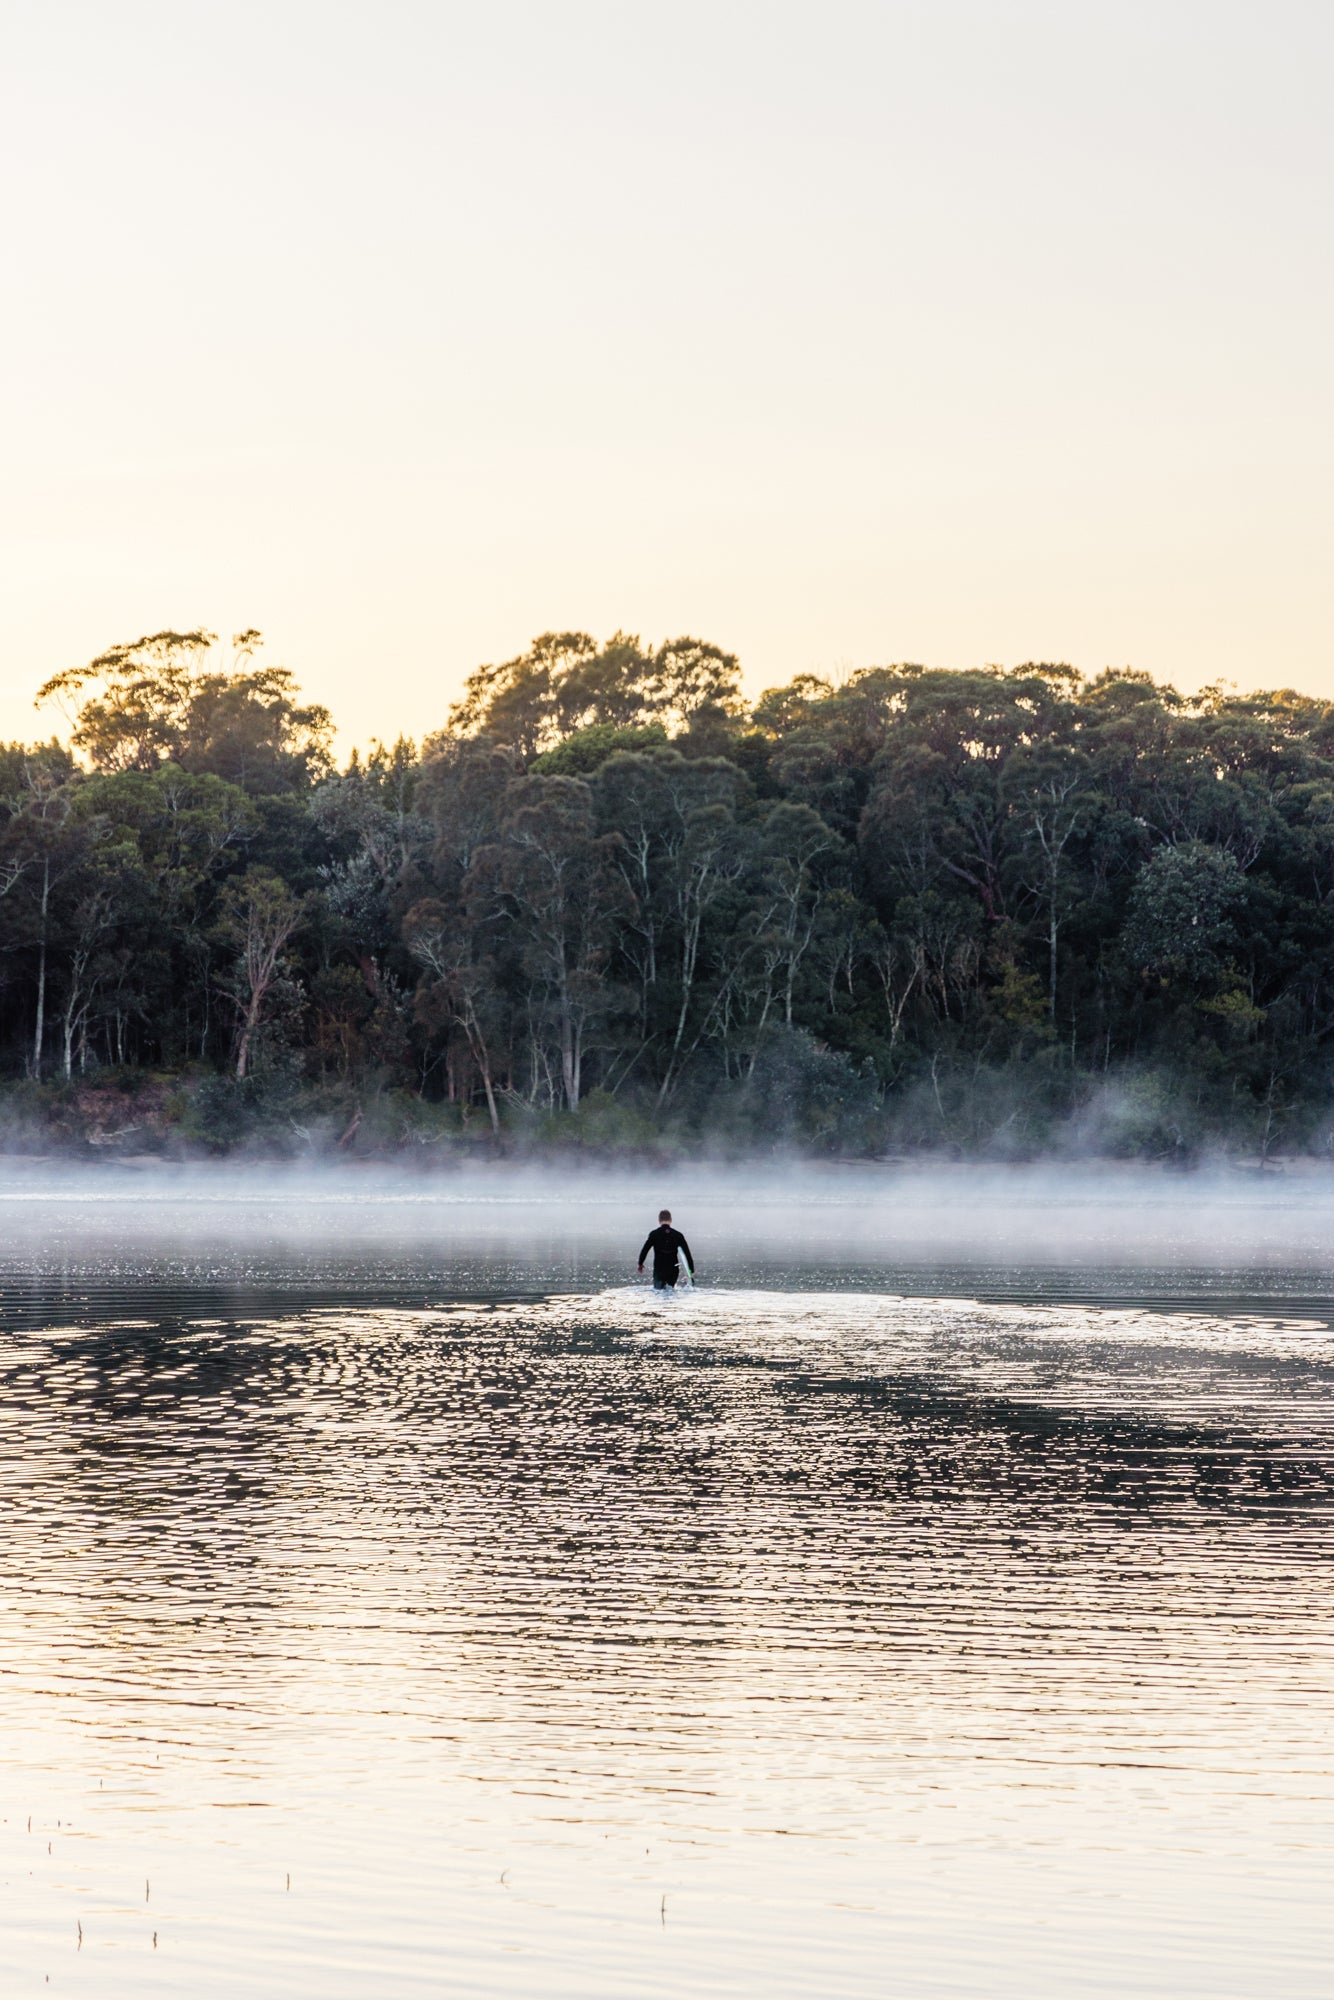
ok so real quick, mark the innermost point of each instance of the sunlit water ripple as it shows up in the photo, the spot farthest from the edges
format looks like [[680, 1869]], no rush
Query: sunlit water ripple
[[750, 1642]]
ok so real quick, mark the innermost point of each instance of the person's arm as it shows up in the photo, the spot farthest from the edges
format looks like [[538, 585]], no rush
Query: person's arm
[[648, 1245], [685, 1248]]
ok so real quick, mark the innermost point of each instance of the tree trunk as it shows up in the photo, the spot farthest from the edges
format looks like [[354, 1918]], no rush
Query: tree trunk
[[492, 1113], [568, 1070], [76, 1009], [41, 976], [248, 1027], [481, 1055], [759, 1032], [569, 1060], [689, 958]]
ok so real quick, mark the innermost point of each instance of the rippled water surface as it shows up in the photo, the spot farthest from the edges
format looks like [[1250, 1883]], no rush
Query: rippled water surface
[[473, 1622]]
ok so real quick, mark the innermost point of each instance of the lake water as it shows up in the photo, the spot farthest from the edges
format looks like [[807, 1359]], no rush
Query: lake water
[[396, 1600]]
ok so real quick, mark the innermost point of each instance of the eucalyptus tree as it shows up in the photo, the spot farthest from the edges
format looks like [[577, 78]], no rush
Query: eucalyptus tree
[[550, 874], [258, 918], [187, 832], [462, 790], [689, 677], [1053, 804], [107, 940], [566, 682], [164, 698], [515, 702], [675, 846], [463, 991], [46, 844]]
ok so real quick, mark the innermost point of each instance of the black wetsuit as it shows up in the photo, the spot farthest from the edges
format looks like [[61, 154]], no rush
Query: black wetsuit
[[668, 1245]]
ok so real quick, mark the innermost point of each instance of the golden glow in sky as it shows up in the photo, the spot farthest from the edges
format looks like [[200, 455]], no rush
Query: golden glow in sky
[[948, 332]]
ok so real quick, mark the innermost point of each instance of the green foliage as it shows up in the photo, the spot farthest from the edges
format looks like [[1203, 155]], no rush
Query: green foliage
[[589, 748], [988, 911], [1180, 916], [566, 685], [156, 700], [800, 1096]]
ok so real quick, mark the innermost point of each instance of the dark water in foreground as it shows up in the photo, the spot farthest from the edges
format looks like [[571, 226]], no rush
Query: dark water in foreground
[[809, 1640]]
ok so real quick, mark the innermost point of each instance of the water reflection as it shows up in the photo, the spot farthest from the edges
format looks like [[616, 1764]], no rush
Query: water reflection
[[922, 1645]]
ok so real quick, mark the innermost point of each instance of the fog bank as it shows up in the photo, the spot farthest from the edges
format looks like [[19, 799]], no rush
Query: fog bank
[[231, 1220]]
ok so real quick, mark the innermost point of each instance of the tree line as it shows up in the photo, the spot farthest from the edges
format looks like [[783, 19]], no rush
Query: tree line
[[613, 903]]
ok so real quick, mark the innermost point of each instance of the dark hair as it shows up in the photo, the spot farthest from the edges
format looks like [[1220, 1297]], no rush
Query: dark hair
[[664, 1215]]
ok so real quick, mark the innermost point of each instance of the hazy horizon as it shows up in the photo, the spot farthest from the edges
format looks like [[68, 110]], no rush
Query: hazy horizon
[[580, 1226]]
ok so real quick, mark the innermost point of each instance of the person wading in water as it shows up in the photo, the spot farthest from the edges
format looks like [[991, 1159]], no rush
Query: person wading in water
[[668, 1246]]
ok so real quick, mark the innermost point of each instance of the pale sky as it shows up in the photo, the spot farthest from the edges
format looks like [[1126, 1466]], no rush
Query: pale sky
[[838, 334]]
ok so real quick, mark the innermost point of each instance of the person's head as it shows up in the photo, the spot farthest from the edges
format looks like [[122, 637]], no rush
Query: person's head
[[664, 1215]]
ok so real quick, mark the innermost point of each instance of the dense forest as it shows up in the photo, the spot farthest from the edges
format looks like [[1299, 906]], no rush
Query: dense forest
[[613, 905]]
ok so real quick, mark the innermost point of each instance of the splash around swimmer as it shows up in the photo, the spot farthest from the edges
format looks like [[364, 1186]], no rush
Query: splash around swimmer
[[668, 1246]]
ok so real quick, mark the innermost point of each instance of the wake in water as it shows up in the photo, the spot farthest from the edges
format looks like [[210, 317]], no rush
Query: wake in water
[[741, 1312], [1072, 1360]]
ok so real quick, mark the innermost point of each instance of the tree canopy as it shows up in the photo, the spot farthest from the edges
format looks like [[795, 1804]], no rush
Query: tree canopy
[[610, 902]]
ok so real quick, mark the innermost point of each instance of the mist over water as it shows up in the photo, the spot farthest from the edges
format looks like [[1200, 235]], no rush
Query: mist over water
[[935, 1601], [564, 1226]]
